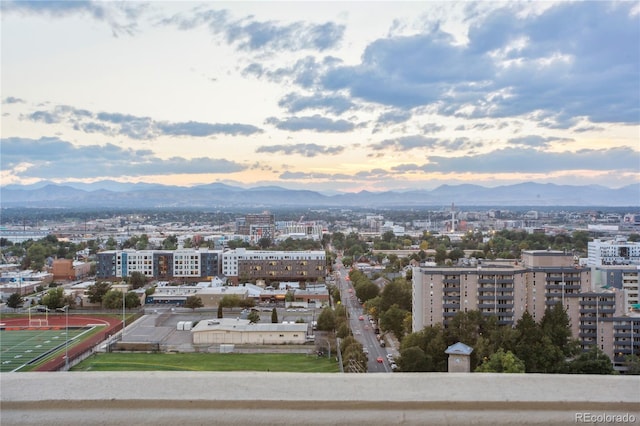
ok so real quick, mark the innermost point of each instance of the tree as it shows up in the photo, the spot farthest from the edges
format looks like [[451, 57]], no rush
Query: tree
[[97, 291], [137, 279], [15, 301], [253, 317], [112, 299], [54, 298], [36, 253], [131, 300], [594, 361], [326, 320], [413, 359], [633, 365], [393, 320], [274, 316], [502, 362], [555, 324], [111, 244], [230, 301], [193, 302], [264, 243], [220, 315], [170, 243]]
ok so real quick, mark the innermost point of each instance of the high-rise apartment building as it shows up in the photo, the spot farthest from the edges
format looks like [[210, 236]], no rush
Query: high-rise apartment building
[[540, 280]]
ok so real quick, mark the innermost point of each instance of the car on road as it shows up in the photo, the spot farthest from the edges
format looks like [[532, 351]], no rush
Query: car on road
[[361, 318], [365, 350], [380, 359]]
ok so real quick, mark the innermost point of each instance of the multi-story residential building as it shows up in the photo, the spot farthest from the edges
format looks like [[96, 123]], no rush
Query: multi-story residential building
[[249, 265], [542, 279], [613, 252], [257, 226], [188, 264], [194, 265]]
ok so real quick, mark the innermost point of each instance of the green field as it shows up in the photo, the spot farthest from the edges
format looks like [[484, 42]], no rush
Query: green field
[[208, 362], [18, 348]]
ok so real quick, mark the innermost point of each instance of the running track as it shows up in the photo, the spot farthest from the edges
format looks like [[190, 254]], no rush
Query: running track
[[112, 325]]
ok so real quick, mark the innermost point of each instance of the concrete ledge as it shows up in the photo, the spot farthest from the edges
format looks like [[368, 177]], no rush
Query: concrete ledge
[[188, 398]]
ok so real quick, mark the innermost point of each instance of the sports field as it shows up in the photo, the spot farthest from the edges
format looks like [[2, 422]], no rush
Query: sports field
[[208, 362], [21, 348], [38, 342]]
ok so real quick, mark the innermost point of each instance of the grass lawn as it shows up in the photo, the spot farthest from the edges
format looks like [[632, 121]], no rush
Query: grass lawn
[[300, 363]]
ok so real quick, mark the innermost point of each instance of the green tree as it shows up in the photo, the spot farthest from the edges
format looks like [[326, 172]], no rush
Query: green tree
[[594, 361], [170, 243], [193, 302], [220, 315], [230, 301], [15, 301], [36, 253], [326, 320], [253, 317], [397, 292], [143, 242], [502, 362], [632, 362], [112, 299], [393, 320], [343, 330], [264, 243], [111, 244], [432, 344], [97, 291], [137, 279], [556, 326], [414, 359], [54, 298], [274, 316], [131, 300]]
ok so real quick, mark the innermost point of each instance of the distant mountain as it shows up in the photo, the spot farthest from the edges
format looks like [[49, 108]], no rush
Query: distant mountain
[[109, 194]]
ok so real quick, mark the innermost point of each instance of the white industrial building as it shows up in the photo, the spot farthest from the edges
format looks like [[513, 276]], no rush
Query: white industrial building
[[238, 331]]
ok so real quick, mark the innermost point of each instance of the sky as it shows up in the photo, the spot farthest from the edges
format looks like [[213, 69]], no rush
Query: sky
[[325, 96]]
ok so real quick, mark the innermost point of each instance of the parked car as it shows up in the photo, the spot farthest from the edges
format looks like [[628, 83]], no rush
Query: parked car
[[380, 359]]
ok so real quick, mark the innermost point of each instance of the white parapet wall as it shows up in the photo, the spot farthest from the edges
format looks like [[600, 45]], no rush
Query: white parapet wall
[[194, 398]]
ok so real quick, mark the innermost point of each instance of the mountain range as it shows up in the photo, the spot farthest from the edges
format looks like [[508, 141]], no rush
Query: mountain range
[[110, 194]]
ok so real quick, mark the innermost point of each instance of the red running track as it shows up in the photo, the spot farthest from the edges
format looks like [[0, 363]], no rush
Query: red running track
[[59, 321]]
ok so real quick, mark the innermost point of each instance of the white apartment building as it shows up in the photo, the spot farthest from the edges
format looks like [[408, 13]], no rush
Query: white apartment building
[[613, 252]]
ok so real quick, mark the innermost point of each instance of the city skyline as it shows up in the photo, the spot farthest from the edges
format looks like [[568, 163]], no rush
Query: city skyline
[[326, 96]]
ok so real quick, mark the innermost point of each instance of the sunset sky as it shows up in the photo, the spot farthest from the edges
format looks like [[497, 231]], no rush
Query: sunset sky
[[326, 96]]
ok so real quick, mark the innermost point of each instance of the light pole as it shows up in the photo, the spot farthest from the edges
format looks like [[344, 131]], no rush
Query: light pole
[[65, 308]]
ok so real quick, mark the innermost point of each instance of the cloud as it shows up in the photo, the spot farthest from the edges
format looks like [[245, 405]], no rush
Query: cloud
[[335, 104], [536, 141], [140, 128], [194, 128], [248, 34], [314, 176], [527, 160], [407, 143], [513, 64], [12, 100], [53, 158], [304, 149], [306, 72], [120, 16], [315, 122], [394, 117]]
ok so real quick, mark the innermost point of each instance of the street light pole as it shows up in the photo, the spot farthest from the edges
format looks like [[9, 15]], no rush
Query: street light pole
[[65, 308]]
